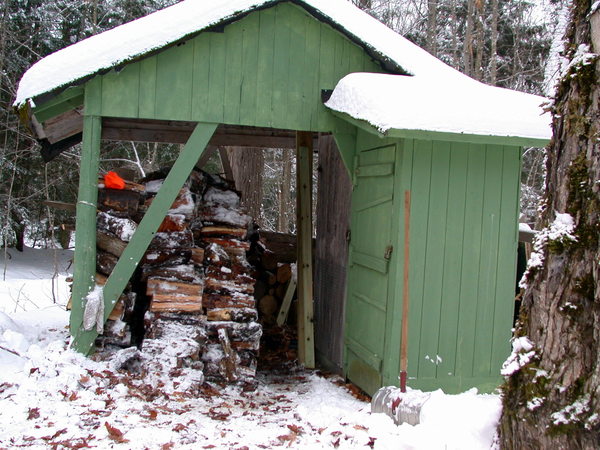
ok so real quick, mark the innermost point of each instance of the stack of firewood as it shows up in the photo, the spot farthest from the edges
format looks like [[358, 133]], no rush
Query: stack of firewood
[[117, 209], [271, 286], [194, 273], [233, 332]]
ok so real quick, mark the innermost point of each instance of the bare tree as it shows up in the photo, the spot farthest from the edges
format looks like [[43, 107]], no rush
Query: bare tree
[[432, 27], [494, 43]]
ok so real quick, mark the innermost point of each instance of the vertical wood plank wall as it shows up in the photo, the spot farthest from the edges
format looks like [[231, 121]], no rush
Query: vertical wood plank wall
[[463, 262], [463, 243], [268, 69], [331, 254]]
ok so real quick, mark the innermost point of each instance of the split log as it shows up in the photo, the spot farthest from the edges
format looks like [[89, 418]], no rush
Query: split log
[[110, 243], [174, 296], [176, 291], [218, 214], [229, 362], [269, 261], [129, 185], [196, 320], [212, 300], [198, 256], [181, 272], [228, 286], [233, 247], [215, 255], [237, 331], [115, 333], [177, 239], [169, 325], [120, 227], [174, 306], [105, 262], [236, 273], [135, 187], [183, 203], [221, 231], [283, 246], [123, 201], [284, 273], [232, 314], [227, 198], [268, 305], [118, 310], [152, 186], [167, 256], [173, 222]]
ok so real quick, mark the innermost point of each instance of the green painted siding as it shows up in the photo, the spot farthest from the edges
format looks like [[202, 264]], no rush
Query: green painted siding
[[267, 69], [463, 241], [463, 253]]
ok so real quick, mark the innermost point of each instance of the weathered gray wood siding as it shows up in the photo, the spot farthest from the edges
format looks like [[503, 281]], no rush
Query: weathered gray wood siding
[[331, 255]]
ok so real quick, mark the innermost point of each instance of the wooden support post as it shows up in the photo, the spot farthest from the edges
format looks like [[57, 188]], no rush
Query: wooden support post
[[85, 242], [304, 156], [227, 170], [84, 340], [208, 152], [287, 302]]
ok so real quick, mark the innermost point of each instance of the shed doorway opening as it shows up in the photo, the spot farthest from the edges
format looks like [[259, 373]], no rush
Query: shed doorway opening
[[261, 164], [267, 178]]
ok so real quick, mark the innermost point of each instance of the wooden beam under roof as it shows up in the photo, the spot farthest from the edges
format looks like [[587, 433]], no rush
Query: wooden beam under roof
[[177, 132], [64, 131]]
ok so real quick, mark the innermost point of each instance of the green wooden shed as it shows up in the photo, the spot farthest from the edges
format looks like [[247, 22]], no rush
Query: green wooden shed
[[433, 159]]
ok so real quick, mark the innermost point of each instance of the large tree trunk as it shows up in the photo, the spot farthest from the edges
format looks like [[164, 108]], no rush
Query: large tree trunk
[[247, 166], [285, 209], [468, 40], [494, 43], [432, 27], [552, 398]]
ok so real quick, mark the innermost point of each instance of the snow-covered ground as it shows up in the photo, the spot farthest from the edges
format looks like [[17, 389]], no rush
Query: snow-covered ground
[[52, 397]]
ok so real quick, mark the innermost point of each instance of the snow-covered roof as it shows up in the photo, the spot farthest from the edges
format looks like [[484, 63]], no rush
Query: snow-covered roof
[[424, 103], [155, 31], [435, 97]]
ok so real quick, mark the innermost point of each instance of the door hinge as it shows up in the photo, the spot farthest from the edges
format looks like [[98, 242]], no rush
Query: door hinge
[[388, 252]]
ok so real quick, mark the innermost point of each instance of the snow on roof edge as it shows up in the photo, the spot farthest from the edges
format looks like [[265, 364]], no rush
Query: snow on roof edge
[[395, 102], [168, 26]]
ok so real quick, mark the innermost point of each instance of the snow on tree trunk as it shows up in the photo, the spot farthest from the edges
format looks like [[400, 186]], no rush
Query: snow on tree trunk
[[552, 393]]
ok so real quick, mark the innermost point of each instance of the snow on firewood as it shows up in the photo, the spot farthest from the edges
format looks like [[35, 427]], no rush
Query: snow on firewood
[[220, 214], [228, 199], [152, 187], [121, 227]]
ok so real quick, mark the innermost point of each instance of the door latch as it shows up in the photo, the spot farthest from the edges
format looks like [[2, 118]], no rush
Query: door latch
[[388, 252]]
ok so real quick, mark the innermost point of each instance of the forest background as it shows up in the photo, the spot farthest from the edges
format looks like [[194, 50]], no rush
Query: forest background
[[515, 44]]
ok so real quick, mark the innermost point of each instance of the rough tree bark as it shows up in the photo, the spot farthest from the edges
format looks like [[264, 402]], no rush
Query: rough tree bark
[[468, 40], [553, 400], [432, 27], [285, 201], [494, 43], [247, 166]]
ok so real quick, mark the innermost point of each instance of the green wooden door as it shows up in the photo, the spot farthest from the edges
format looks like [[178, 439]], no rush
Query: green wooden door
[[370, 253]]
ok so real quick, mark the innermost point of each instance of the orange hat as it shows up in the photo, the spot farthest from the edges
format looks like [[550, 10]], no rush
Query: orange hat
[[113, 181]]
